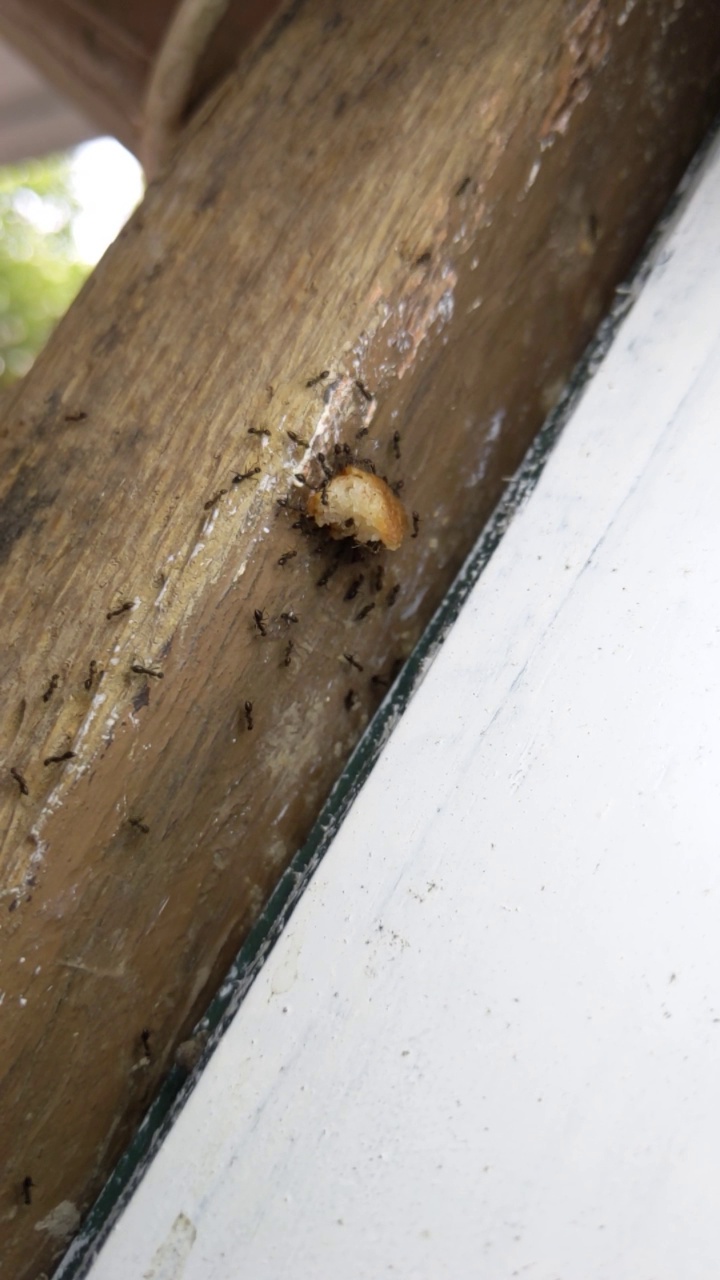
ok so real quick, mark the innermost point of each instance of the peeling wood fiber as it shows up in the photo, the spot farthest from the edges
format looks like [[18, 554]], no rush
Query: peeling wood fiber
[[432, 203]]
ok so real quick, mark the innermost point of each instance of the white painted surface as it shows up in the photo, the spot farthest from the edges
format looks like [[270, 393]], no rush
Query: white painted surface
[[488, 1043]]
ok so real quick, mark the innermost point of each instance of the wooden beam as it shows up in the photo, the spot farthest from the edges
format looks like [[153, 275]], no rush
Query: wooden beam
[[433, 203]]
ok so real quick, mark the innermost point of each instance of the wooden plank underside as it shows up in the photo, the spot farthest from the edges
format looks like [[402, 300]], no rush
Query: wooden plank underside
[[434, 202], [509, 1065]]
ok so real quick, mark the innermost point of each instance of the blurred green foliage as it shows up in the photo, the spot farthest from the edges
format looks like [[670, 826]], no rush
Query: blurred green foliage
[[39, 270]]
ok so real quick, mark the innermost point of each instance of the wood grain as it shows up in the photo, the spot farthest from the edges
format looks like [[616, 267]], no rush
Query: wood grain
[[434, 202]]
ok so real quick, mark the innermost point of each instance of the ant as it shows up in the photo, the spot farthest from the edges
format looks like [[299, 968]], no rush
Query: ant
[[249, 715], [287, 555], [92, 672], [367, 395], [66, 755], [207, 506], [27, 1189], [331, 569], [364, 612], [296, 439], [122, 608], [350, 699], [349, 657], [354, 587], [139, 825], [54, 681], [320, 377], [259, 616], [396, 444], [245, 475], [16, 774], [258, 431], [416, 524], [140, 670]]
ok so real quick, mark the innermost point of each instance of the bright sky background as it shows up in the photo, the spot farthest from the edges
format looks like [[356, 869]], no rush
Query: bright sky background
[[108, 183]]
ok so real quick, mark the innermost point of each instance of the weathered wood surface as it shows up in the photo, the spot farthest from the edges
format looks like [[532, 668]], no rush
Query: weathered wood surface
[[434, 201]]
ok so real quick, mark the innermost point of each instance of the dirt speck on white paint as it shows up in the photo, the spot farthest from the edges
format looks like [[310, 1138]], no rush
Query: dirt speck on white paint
[[60, 1222], [169, 1260]]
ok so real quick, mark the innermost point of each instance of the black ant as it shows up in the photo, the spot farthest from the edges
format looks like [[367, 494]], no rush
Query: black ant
[[305, 525], [139, 825], [145, 1037], [207, 506], [122, 608], [259, 616], [349, 657], [331, 569], [140, 670], [287, 555], [319, 377], [16, 774], [296, 439], [258, 431], [66, 755], [249, 715], [392, 595], [245, 475], [416, 524], [364, 612], [54, 681], [27, 1189], [367, 395], [354, 587], [92, 672], [396, 444], [350, 699], [379, 577], [288, 653]]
